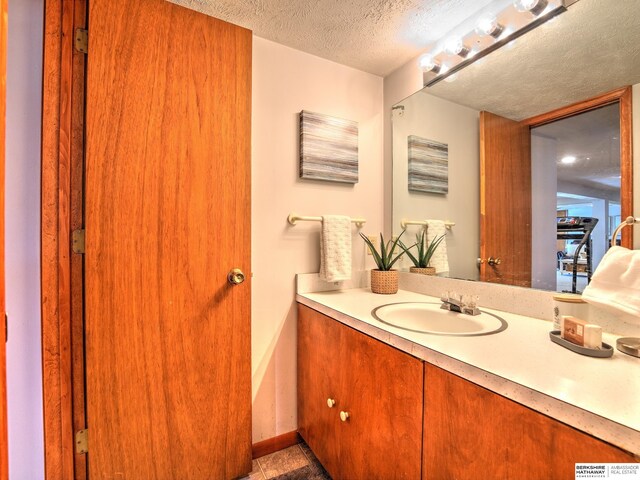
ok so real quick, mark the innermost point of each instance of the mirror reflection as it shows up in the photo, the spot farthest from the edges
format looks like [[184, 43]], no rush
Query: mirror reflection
[[527, 152]]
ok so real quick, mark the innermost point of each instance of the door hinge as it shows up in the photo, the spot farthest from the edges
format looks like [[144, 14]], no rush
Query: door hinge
[[82, 40], [77, 241], [6, 328], [82, 441]]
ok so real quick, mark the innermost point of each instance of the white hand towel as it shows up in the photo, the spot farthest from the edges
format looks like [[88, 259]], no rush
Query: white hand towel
[[615, 284], [335, 248], [440, 259]]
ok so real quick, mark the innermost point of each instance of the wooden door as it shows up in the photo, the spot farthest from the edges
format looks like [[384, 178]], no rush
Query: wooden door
[[4, 454], [167, 216], [505, 200]]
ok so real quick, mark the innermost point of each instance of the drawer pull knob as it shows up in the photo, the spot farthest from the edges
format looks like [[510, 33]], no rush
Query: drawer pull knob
[[330, 402], [344, 416], [235, 276], [494, 261]]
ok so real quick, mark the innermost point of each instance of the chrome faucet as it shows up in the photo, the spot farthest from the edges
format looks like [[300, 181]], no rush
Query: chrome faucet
[[467, 304]]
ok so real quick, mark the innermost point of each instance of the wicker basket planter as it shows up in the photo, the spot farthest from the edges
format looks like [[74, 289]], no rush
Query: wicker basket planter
[[423, 271], [384, 281]]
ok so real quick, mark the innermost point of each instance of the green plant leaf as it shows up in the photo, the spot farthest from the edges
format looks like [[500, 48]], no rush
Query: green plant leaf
[[391, 260], [409, 254], [420, 243], [374, 252], [383, 252], [384, 259], [431, 249]]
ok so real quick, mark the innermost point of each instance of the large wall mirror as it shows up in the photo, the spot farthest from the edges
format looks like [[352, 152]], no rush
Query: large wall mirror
[[536, 138]]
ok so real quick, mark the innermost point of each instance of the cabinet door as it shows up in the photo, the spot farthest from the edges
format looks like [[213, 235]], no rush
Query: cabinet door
[[378, 386], [318, 349], [470, 433], [382, 392]]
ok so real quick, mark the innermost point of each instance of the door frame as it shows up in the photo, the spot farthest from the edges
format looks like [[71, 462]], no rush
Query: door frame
[[622, 96], [61, 213], [62, 309], [4, 440]]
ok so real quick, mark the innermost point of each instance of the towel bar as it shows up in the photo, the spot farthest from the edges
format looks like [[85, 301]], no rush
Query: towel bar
[[628, 221], [293, 218], [448, 224]]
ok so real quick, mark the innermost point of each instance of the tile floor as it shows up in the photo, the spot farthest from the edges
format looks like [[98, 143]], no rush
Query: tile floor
[[293, 463]]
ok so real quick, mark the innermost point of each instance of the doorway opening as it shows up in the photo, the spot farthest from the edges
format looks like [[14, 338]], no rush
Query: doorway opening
[[572, 223]]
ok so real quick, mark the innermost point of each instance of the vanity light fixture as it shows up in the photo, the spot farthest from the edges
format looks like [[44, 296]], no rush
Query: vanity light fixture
[[451, 78], [535, 7], [428, 64], [489, 25], [568, 160], [455, 46], [497, 24]]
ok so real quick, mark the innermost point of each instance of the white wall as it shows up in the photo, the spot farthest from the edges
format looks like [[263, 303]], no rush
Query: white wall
[[286, 81], [22, 243], [544, 185], [398, 85], [443, 121]]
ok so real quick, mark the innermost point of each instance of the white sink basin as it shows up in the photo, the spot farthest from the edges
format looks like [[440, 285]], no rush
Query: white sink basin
[[427, 317]]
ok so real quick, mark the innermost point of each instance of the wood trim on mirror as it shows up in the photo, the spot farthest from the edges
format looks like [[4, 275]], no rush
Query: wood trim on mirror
[[579, 107], [624, 98]]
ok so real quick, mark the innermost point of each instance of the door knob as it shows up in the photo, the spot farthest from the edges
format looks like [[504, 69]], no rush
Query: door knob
[[330, 402], [494, 261], [235, 277], [344, 416]]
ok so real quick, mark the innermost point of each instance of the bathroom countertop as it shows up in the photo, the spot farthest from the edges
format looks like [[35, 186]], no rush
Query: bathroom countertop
[[600, 396]]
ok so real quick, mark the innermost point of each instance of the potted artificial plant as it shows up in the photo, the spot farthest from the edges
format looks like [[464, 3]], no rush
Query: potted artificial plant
[[423, 254], [383, 279]]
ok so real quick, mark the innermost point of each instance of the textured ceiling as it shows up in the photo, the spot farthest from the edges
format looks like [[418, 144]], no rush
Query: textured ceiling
[[375, 36], [594, 139], [592, 48]]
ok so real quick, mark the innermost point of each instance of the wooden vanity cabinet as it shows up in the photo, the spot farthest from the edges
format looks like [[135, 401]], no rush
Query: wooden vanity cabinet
[[471, 432], [409, 419], [380, 387]]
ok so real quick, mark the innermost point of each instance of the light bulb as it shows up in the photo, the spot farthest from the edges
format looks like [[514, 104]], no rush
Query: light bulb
[[455, 46], [428, 64], [451, 78], [489, 26], [536, 7], [568, 160]]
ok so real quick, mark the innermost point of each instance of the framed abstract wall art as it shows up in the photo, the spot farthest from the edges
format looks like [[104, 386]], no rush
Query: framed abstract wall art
[[428, 165], [328, 148]]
